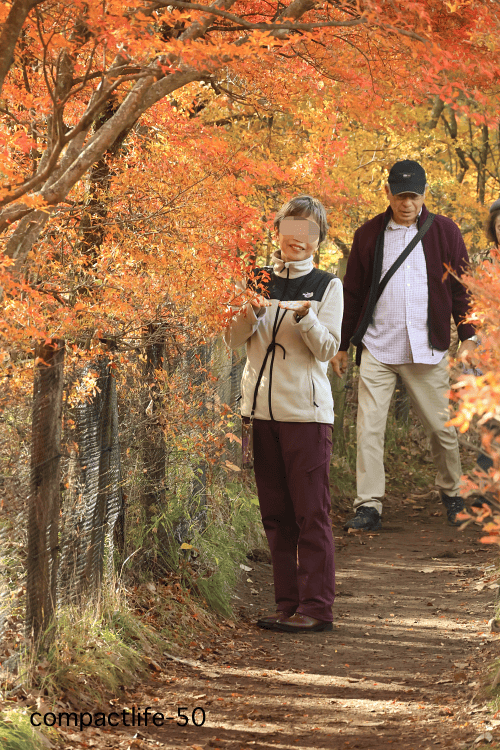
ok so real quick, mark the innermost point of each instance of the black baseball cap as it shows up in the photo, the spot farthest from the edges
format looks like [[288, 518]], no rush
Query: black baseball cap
[[407, 177]]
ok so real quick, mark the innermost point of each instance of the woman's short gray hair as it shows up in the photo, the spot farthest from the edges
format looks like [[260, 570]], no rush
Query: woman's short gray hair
[[306, 206]]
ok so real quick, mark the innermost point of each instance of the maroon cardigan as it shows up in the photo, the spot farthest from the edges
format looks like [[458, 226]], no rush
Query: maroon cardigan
[[443, 244]]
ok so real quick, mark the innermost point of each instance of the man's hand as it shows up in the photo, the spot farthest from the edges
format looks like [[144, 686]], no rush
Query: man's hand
[[465, 351], [339, 363]]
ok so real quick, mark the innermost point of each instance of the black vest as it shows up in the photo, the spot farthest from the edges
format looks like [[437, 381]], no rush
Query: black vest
[[311, 287]]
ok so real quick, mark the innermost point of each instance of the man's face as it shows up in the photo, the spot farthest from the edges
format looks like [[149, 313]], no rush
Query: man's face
[[405, 206], [298, 238]]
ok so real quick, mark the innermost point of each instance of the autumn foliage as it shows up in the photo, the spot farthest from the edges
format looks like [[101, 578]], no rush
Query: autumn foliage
[[146, 146]]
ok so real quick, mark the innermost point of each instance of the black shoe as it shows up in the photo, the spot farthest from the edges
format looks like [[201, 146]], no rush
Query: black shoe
[[453, 506], [366, 518]]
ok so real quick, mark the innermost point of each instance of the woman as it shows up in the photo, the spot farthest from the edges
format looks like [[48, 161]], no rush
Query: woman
[[291, 328]]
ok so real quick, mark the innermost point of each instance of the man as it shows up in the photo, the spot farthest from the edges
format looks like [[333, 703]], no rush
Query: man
[[405, 331]]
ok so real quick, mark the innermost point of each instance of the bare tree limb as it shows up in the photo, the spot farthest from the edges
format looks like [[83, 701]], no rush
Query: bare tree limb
[[295, 10]]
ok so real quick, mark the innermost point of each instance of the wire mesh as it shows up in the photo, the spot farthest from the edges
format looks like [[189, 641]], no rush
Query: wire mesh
[[91, 430], [93, 492]]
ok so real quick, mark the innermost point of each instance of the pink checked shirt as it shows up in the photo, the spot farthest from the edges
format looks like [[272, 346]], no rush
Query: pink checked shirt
[[398, 333]]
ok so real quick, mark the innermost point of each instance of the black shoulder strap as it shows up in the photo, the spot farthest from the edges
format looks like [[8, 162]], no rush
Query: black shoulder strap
[[399, 261]]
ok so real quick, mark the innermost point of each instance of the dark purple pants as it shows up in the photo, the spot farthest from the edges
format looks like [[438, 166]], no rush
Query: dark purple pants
[[292, 468]]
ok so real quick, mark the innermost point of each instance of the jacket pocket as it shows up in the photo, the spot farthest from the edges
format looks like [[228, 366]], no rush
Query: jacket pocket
[[314, 392]]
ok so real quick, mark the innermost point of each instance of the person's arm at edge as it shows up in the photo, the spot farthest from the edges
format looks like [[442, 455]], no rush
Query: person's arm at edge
[[460, 297], [354, 297]]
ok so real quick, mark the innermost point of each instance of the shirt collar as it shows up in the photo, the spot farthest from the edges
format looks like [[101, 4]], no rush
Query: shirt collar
[[393, 225]]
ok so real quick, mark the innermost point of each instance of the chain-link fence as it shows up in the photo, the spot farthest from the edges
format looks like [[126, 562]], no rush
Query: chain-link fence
[[106, 436]]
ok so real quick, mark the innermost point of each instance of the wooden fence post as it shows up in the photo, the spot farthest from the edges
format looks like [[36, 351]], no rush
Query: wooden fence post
[[153, 443], [45, 491]]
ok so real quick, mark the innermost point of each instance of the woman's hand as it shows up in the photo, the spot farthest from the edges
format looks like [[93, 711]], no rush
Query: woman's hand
[[242, 297], [298, 307], [259, 301]]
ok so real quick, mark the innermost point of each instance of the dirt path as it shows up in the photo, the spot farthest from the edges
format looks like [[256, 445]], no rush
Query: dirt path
[[401, 667]]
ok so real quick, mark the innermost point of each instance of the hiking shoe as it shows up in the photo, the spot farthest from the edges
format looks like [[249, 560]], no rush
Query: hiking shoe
[[366, 519], [453, 506]]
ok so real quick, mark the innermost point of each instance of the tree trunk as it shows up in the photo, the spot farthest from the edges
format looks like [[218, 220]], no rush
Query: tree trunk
[[11, 29]]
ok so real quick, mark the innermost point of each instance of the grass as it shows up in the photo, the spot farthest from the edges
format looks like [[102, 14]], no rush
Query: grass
[[108, 643], [216, 535], [95, 650], [16, 732], [223, 544]]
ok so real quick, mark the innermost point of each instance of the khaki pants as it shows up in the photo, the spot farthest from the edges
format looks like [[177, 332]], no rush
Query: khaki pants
[[426, 386]]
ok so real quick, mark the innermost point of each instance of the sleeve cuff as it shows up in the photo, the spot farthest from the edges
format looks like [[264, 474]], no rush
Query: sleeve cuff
[[307, 321]]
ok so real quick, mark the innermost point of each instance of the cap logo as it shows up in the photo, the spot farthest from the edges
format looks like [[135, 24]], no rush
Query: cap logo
[[406, 175]]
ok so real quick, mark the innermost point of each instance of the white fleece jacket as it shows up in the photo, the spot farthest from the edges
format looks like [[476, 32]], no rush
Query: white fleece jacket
[[300, 388]]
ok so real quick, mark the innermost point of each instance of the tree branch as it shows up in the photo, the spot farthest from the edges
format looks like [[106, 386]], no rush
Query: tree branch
[[11, 29], [437, 109], [290, 12]]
